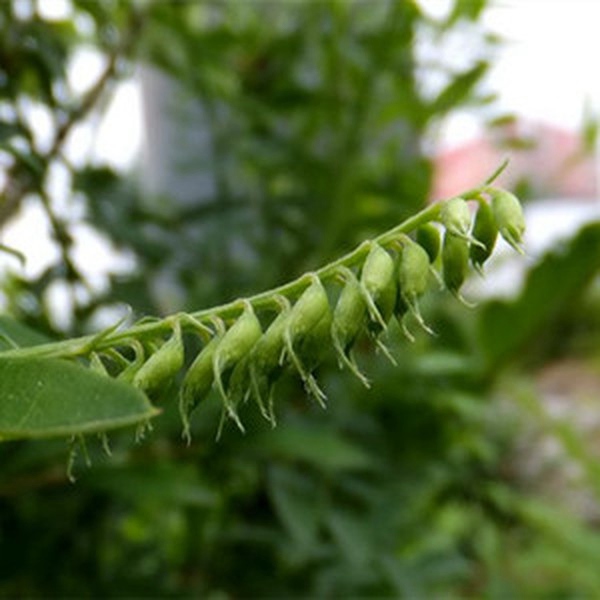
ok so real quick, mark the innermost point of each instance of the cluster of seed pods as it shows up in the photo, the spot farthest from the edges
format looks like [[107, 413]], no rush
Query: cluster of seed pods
[[244, 358]]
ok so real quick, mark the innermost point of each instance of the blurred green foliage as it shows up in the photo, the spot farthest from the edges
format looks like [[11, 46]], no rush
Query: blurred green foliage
[[318, 117]]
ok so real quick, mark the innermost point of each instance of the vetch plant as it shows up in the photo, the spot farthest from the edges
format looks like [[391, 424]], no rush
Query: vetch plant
[[99, 382]]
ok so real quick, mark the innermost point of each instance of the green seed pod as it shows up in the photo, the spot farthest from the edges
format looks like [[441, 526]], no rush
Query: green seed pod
[[508, 216], [238, 390], [456, 216], [349, 319], [486, 232], [428, 236], [385, 306], [313, 348], [379, 285], [413, 271], [310, 351], [238, 387], [401, 309], [266, 362], [413, 280], [162, 366], [235, 344], [349, 316], [197, 382], [268, 351], [305, 316], [312, 305], [455, 261]]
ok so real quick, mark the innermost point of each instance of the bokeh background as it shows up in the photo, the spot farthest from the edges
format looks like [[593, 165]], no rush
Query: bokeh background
[[162, 156]]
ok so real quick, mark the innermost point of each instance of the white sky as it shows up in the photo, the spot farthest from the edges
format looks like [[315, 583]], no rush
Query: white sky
[[547, 68]]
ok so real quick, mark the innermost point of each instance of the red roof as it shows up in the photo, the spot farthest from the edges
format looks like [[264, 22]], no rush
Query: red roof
[[554, 164]]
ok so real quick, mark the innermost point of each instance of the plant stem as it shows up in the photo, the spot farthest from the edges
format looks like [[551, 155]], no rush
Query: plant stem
[[265, 300]]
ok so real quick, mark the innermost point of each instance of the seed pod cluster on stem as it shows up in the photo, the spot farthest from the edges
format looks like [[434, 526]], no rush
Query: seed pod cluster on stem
[[248, 344], [387, 281]]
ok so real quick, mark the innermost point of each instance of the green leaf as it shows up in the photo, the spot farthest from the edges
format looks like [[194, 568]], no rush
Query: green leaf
[[50, 397], [320, 447], [467, 9], [459, 89], [590, 129], [19, 334], [294, 497], [350, 533], [506, 327], [8, 130], [173, 484]]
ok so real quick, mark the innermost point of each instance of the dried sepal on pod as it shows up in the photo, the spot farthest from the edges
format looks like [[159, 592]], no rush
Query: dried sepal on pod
[[163, 365], [305, 315], [508, 215], [349, 320], [455, 263], [485, 231], [235, 344]]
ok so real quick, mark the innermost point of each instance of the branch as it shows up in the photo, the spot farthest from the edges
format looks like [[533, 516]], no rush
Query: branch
[[17, 187], [268, 300]]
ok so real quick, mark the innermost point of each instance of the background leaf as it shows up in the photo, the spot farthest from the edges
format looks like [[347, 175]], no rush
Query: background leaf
[[20, 334], [506, 327]]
